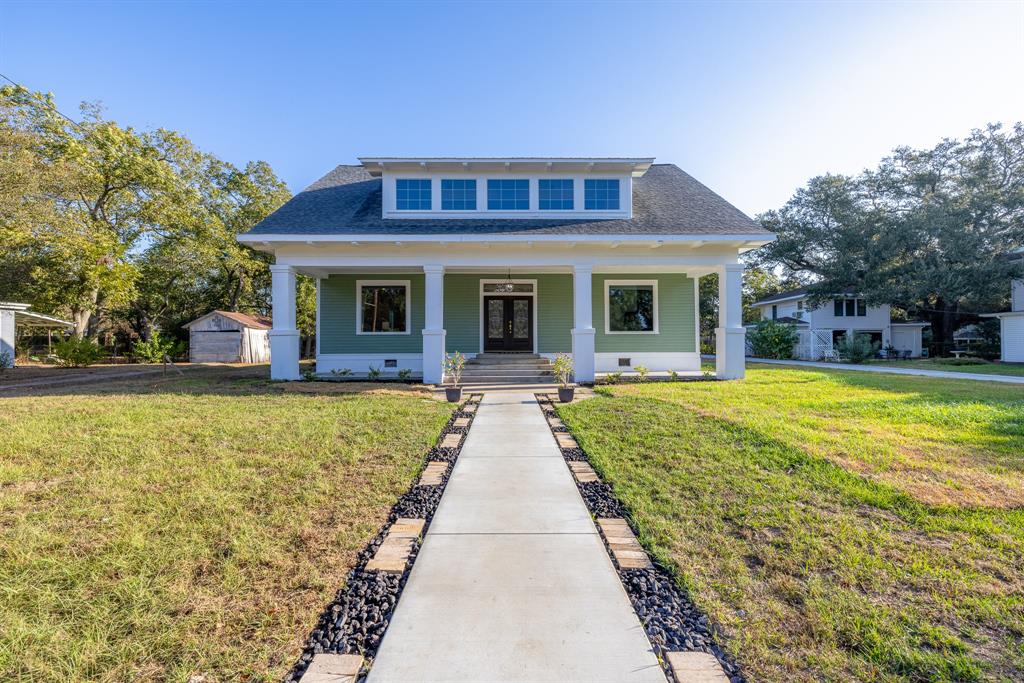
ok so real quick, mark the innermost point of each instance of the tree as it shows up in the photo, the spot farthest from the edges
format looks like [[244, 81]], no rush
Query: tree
[[928, 231], [117, 189]]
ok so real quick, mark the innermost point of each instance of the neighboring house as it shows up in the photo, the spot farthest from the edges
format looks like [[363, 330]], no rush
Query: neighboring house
[[13, 315], [1011, 323], [820, 328], [229, 337], [416, 257]]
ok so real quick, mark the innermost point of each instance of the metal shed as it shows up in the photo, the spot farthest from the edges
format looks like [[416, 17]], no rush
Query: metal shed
[[229, 337]]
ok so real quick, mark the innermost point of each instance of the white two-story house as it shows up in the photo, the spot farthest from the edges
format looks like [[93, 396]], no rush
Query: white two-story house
[[594, 257], [820, 328], [1011, 323]]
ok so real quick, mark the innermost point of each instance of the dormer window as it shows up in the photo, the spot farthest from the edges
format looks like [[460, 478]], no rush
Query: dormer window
[[412, 194], [458, 195], [601, 194], [555, 195], [508, 195]]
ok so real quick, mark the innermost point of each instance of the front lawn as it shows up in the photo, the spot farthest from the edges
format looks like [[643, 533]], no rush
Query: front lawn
[[837, 525], [189, 526], [952, 365]]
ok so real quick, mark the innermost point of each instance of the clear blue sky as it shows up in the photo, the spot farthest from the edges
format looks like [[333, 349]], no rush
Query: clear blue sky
[[751, 98]]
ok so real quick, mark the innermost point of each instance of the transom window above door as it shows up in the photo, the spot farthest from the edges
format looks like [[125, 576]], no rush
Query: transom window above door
[[631, 307], [458, 195], [555, 194], [412, 194], [508, 195], [382, 307], [508, 288]]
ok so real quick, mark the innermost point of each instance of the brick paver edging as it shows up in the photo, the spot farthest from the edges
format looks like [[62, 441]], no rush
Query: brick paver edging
[[674, 625], [355, 621]]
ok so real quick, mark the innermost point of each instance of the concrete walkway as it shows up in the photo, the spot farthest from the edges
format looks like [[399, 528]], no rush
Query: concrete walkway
[[513, 582], [1008, 379]]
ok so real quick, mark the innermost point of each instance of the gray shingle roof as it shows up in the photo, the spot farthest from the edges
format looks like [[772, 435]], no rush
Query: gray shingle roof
[[666, 201]]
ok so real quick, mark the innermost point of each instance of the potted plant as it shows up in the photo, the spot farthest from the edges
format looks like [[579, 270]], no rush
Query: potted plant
[[452, 366], [563, 369]]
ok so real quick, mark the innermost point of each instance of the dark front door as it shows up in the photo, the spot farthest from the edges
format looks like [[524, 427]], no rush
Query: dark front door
[[508, 323]]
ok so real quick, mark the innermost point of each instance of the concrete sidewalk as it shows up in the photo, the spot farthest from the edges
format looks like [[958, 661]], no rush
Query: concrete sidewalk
[[979, 377], [513, 582]]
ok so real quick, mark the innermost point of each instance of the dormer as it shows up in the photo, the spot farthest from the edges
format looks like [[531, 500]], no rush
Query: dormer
[[551, 188]]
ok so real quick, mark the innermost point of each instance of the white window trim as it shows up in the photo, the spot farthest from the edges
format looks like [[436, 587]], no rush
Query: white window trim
[[383, 283], [608, 284]]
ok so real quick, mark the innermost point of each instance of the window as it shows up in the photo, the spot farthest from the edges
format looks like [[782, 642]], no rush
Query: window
[[412, 194], [383, 307], [556, 195], [508, 195], [601, 194], [631, 307], [775, 312], [458, 195], [849, 308]]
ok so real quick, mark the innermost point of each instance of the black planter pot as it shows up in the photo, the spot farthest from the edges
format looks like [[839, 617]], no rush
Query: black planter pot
[[454, 394], [565, 394]]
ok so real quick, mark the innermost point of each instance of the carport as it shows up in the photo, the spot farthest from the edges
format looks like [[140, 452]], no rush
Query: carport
[[13, 315]]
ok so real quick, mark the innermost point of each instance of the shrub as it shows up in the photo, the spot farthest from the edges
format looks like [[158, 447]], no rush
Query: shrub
[[404, 374], [344, 372], [641, 372], [452, 365], [154, 350], [966, 360], [77, 352], [563, 369], [771, 339], [373, 374], [856, 349], [309, 374], [673, 375], [6, 361], [613, 377]]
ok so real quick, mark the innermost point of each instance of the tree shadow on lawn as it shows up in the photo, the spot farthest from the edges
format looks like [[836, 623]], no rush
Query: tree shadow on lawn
[[216, 381]]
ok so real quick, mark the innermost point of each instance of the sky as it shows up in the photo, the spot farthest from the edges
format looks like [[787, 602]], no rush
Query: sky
[[751, 98]]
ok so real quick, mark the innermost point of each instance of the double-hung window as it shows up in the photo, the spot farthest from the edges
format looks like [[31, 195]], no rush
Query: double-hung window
[[458, 195], [555, 194], [631, 307], [508, 195], [382, 307], [849, 308], [412, 194], [601, 194]]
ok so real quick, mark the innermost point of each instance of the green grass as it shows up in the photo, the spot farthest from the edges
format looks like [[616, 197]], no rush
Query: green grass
[[951, 365], [161, 529], [836, 525]]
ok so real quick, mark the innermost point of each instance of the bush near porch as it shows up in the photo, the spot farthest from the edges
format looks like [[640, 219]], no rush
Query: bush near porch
[[837, 525], [191, 526]]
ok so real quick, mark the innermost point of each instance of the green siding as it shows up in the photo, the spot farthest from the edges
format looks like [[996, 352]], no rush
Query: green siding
[[338, 317], [462, 315], [676, 317]]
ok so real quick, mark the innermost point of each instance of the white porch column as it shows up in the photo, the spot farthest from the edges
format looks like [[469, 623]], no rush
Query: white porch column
[[284, 338], [433, 324], [583, 324], [730, 336]]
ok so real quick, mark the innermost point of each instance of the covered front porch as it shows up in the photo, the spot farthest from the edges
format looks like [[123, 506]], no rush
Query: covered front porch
[[611, 312]]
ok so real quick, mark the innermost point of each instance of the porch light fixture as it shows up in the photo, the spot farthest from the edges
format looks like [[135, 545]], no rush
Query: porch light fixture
[[506, 287]]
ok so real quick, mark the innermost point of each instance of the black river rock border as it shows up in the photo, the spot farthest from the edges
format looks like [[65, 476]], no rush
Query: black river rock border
[[669, 617], [355, 621]]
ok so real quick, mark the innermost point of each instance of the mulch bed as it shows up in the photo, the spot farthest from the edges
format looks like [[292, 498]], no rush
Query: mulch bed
[[670, 619], [355, 621]]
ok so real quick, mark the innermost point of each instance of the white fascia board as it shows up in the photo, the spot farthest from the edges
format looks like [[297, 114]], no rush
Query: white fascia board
[[1006, 314], [762, 238]]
